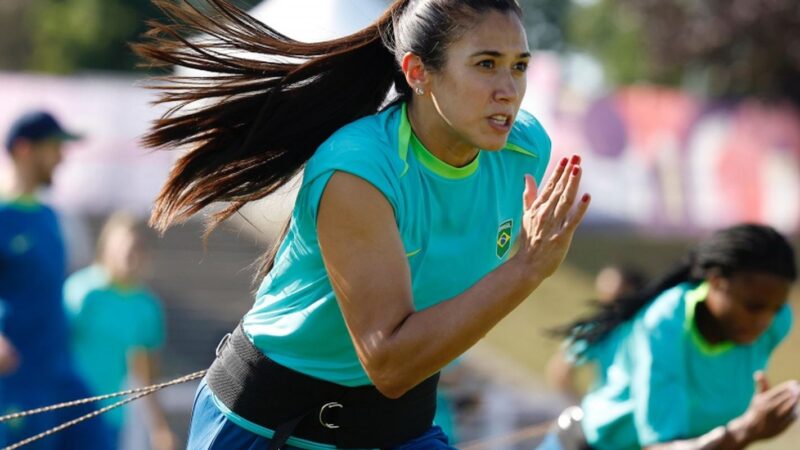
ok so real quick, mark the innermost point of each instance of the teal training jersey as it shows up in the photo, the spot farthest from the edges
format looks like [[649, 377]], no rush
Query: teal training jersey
[[107, 323], [659, 380], [456, 224]]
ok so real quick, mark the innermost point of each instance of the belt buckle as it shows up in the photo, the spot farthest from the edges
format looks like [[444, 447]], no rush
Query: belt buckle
[[221, 344], [322, 411]]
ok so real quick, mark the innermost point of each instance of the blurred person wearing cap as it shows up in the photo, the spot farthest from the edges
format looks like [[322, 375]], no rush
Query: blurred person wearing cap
[[32, 271]]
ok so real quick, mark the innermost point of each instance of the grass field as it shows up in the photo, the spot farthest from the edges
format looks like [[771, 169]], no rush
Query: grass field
[[521, 336]]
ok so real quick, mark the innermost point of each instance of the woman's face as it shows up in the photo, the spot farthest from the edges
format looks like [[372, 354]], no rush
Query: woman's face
[[478, 92], [745, 303], [123, 256]]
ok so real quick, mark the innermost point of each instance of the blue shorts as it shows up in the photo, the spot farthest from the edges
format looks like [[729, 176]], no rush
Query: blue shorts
[[211, 430], [92, 434], [550, 442]]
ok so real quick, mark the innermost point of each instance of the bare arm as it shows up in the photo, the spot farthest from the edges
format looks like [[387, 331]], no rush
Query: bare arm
[[365, 259], [720, 438], [145, 368], [560, 374]]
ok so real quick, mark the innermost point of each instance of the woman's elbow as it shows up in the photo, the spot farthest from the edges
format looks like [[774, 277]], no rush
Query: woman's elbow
[[391, 386], [387, 377]]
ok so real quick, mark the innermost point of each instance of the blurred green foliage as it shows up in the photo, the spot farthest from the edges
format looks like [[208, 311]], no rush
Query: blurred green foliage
[[613, 37], [545, 22], [85, 34], [67, 36], [721, 48]]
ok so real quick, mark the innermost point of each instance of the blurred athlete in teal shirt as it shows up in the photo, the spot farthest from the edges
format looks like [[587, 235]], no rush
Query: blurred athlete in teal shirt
[[680, 364], [32, 271], [106, 348]]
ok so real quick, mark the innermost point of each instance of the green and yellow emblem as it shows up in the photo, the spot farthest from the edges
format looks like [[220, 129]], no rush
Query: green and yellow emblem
[[504, 238]]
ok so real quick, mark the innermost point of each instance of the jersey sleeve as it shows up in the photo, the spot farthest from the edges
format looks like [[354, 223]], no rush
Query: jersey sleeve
[[780, 327], [359, 152], [658, 392], [528, 137], [74, 295]]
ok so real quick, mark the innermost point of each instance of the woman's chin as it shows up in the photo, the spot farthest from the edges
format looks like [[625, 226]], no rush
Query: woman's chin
[[494, 145]]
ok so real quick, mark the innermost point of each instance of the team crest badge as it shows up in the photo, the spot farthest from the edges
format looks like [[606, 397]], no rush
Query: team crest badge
[[504, 238]]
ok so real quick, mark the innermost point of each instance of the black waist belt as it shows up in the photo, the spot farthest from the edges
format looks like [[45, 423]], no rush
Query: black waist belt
[[294, 404]]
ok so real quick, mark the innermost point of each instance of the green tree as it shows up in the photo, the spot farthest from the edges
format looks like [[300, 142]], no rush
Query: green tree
[[727, 48], [613, 36], [545, 21], [65, 36], [72, 35], [14, 42]]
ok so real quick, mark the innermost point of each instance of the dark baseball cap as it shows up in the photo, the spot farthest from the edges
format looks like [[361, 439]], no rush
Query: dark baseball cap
[[36, 126]]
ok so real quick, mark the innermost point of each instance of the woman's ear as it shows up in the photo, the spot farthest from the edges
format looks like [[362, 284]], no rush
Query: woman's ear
[[715, 280], [415, 73]]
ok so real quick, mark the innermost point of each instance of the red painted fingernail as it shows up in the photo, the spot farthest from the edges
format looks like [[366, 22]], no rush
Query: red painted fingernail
[[575, 170], [585, 198], [576, 159], [563, 162]]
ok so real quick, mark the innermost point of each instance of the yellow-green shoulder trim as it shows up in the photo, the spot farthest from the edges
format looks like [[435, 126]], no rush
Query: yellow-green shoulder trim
[[518, 149], [693, 297], [403, 138]]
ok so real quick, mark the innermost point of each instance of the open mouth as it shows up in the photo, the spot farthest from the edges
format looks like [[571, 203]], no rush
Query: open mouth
[[501, 120]]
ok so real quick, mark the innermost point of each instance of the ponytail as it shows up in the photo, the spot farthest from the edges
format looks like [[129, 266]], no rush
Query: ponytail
[[608, 315], [259, 120]]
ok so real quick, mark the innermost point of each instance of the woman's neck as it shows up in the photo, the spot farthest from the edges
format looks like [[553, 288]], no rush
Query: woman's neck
[[707, 325], [437, 136]]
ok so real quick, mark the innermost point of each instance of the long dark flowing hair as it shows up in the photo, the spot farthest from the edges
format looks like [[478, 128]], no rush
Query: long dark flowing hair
[[741, 248], [261, 119]]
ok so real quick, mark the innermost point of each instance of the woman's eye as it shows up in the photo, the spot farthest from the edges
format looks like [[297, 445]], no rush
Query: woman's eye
[[486, 64], [522, 67]]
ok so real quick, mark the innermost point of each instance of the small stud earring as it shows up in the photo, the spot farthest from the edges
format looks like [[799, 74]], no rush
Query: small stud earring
[[419, 90]]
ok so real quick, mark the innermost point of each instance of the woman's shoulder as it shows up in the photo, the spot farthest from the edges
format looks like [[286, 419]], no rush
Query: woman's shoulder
[[527, 147], [781, 325], [528, 136], [668, 309], [81, 285], [375, 132], [87, 278], [369, 143]]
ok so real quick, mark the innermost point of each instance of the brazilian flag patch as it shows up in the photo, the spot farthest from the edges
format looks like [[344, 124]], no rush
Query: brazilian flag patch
[[504, 238]]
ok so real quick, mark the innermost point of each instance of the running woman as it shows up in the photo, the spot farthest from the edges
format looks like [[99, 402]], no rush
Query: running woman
[[398, 254], [680, 363]]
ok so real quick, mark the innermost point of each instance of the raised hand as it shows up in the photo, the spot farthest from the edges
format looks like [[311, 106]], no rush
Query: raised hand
[[771, 411], [550, 218]]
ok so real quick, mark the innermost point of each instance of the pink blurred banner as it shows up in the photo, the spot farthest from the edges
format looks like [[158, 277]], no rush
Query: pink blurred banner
[[668, 162]]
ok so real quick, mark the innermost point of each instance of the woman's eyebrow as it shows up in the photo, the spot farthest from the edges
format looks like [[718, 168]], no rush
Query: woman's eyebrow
[[496, 54]]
